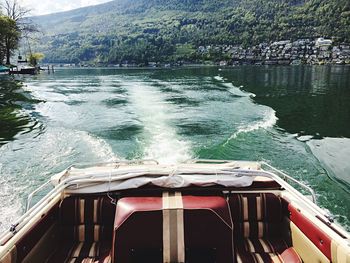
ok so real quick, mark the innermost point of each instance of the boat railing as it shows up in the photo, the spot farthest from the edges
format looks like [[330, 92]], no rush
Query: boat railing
[[116, 163], [214, 161], [41, 188], [287, 178]]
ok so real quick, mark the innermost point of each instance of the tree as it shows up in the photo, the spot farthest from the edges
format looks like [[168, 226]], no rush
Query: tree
[[17, 13], [34, 58], [9, 37], [13, 10]]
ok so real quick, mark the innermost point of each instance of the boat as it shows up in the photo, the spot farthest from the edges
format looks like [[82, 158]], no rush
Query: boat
[[198, 211], [28, 70], [23, 68], [4, 70]]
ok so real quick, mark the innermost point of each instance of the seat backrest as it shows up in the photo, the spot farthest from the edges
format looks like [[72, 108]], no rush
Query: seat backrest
[[208, 228], [257, 215], [87, 218], [139, 229]]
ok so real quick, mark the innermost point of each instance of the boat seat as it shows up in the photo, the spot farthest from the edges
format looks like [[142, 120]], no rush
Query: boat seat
[[87, 227], [261, 228], [143, 227]]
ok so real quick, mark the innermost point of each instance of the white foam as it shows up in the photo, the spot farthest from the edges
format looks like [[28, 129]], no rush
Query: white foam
[[237, 91], [80, 144], [304, 138], [162, 142], [10, 208], [99, 146], [268, 121], [219, 78], [40, 157]]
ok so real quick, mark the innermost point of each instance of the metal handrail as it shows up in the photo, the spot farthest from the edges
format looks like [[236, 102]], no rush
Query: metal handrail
[[287, 177], [213, 161], [40, 188], [83, 165]]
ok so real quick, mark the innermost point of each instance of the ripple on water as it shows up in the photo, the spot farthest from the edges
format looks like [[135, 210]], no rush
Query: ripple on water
[[112, 102], [170, 89], [122, 132], [183, 100], [75, 102], [198, 128], [119, 90], [16, 118]]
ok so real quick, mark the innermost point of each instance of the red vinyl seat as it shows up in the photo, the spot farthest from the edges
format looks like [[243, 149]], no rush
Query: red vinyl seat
[[207, 228], [261, 228]]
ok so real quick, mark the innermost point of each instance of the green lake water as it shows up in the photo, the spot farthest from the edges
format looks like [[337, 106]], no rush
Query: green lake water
[[296, 118]]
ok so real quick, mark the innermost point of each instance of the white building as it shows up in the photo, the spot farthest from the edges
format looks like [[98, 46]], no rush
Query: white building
[[321, 42]]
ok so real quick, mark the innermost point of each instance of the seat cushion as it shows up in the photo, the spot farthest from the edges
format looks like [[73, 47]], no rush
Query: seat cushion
[[287, 256], [260, 250], [262, 245], [104, 259], [79, 251], [244, 257]]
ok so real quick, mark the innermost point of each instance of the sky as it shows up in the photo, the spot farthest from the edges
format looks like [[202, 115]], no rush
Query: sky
[[42, 7]]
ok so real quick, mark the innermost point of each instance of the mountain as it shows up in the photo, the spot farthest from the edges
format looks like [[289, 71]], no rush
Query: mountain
[[169, 30]]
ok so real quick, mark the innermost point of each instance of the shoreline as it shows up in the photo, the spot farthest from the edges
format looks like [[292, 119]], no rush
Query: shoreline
[[188, 66]]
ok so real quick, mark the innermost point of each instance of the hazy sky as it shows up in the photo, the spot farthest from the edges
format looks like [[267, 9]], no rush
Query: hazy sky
[[41, 7]]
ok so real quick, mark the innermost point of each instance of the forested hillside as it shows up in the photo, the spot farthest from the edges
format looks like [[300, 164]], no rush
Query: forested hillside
[[169, 30]]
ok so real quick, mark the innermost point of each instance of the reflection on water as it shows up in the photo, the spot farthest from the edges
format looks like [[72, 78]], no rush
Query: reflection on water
[[308, 100], [13, 119]]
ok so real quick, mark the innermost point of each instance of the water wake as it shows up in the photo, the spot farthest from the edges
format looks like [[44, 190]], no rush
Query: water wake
[[218, 78], [236, 91], [10, 208], [162, 142], [269, 120]]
